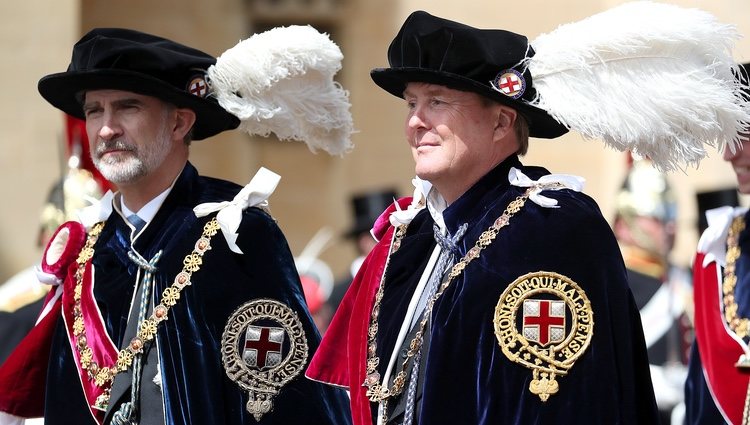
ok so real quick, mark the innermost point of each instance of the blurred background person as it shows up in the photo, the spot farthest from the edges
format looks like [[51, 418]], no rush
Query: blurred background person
[[317, 278], [367, 207], [22, 296], [644, 225]]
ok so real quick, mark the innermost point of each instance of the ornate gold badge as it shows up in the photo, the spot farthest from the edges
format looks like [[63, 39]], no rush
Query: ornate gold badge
[[553, 329], [263, 348]]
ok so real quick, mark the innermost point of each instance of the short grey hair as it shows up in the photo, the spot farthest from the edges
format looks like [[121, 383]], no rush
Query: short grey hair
[[521, 127]]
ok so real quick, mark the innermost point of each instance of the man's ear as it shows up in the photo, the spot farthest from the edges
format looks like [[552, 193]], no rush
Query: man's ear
[[505, 121], [184, 121]]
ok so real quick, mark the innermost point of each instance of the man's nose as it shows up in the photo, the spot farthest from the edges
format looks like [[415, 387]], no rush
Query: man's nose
[[109, 128]]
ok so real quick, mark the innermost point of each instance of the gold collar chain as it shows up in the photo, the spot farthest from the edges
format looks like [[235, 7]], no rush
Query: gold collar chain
[[104, 375], [376, 392], [739, 325]]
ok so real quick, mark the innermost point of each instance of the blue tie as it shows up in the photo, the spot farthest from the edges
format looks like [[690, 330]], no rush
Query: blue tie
[[137, 222]]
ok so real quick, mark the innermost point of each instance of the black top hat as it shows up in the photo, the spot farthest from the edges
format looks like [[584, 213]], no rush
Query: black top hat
[[488, 62], [367, 208], [122, 59]]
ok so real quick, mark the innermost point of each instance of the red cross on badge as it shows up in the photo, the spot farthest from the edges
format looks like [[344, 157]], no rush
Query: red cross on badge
[[510, 83], [544, 321], [198, 87], [263, 346]]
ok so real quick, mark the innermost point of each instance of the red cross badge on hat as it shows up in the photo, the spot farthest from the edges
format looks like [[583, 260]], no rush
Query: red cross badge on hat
[[510, 83], [544, 321], [198, 86], [263, 346]]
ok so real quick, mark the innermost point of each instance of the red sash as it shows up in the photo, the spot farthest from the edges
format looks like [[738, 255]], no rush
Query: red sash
[[24, 373], [342, 356], [103, 349], [719, 350], [23, 376]]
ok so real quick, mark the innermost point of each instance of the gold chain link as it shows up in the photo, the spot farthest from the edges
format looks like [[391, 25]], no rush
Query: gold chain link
[[104, 375], [376, 392], [739, 325]]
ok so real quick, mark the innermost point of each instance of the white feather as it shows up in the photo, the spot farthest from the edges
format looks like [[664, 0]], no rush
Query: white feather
[[648, 77], [281, 82]]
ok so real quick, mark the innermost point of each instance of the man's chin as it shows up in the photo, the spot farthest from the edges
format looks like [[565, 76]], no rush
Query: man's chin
[[120, 174], [426, 172]]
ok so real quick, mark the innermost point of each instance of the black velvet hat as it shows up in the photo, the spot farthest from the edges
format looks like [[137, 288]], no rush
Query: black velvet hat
[[438, 51], [367, 208], [122, 59]]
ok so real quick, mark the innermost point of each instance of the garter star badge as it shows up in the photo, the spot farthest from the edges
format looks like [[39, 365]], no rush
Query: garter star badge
[[263, 348], [544, 322]]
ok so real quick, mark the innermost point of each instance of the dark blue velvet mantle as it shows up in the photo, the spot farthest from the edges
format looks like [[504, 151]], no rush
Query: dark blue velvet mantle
[[195, 386], [468, 378]]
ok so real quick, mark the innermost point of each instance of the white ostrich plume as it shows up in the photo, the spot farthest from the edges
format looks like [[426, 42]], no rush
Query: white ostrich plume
[[652, 78], [281, 81]]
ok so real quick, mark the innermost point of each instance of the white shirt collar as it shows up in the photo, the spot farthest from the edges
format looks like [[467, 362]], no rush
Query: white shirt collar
[[148, 211], [436, 204]]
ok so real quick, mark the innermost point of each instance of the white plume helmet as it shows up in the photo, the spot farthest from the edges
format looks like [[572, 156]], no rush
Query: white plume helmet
[[309, 264], [652, 78], [281, 81]]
